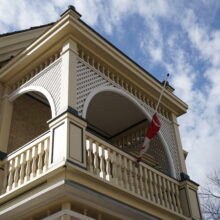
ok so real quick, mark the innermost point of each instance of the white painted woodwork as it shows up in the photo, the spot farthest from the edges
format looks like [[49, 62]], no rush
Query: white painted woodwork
[[144, 181], [22, 166]]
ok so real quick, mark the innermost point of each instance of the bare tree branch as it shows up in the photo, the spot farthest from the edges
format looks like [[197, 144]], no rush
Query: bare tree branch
[[210, 198]]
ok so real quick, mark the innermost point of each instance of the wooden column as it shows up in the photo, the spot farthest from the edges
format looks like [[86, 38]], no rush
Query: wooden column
[[68, 76], [6, 109], [189, 199], [67, 140], [179, 145]]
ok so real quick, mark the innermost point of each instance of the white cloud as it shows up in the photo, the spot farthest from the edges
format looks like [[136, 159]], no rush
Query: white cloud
[[21, 14], [200, 126]]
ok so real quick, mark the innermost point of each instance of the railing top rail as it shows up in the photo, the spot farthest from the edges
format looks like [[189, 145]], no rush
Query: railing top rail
[[119, 151], [27, 146]]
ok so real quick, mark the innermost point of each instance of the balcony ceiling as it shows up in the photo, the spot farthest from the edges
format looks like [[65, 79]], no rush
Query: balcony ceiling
[[110, 113]]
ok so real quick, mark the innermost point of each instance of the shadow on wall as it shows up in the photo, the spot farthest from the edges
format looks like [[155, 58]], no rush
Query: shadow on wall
[[29, 120]]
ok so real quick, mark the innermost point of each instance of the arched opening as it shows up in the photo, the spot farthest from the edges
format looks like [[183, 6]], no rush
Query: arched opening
[[31, 111], [116, 117]]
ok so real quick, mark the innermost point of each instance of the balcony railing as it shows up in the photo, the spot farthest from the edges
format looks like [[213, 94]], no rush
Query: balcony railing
[[111, 164], [26, 164], [104, 161]]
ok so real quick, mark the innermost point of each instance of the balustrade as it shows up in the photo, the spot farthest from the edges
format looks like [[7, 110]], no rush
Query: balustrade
[[26, 163], [104, 161], [118, 168]]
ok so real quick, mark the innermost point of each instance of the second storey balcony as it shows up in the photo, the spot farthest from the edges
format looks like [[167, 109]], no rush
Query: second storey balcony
[[97, 153], [74, 112]]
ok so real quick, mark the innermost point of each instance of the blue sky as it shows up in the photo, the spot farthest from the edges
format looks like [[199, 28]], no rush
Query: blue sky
[[176, 36]]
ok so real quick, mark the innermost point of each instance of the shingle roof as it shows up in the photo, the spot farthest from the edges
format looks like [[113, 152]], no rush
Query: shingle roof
[[29, 29]]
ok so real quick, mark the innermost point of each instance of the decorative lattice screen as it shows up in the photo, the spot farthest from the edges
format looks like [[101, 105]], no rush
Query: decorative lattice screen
[[89, 78], [49, 79]]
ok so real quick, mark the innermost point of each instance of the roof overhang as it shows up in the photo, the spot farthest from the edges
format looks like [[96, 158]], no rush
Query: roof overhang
[[70, 26]]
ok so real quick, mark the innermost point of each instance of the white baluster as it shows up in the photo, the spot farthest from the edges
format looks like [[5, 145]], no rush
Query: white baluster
[[131, 176], [11, 175], [165, 193], [16, 172], [46, 154], [151, 186], [40, 153], [178, 199], [96, 159], [108, 72], [173, 196], [22, 171], [119, 168], [102, 162], [114, 168], [136, 180], [125, 173], [108, 165], [34, 162], [146, 183], [90, 156], [142, 190], [160, 188], [155, 186], [28, 165], [170, 195]]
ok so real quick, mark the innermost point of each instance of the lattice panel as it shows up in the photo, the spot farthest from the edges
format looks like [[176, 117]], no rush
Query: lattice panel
[[89, 78], [36, 70], [168, 134], [49, 79], [157, 151]]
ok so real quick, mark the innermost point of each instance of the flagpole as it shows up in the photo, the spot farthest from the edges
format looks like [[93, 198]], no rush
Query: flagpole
[[162, 91], [153, 127]]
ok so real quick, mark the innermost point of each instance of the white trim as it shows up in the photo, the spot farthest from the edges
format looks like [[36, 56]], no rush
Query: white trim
[[67, 212], [39, 89], [148, 116]]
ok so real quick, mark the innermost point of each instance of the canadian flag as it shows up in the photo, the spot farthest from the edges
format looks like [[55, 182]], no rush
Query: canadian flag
[[152, 130]]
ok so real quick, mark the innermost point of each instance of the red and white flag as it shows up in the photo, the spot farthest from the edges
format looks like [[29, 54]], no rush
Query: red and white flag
[[152, 130]]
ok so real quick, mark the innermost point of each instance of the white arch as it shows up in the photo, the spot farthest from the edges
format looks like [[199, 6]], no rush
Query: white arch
[[133, 100], [39, 89]]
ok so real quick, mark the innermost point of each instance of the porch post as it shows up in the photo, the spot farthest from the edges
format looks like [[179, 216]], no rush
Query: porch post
[[189, 199], [68, 76], [6, 109], [180, 151], [67, 129], [67, 140]]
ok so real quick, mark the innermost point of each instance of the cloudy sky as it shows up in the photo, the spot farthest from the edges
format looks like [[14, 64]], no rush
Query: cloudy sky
[[176, 36]]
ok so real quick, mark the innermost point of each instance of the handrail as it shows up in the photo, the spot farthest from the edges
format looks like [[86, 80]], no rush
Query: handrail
[[27, 145]]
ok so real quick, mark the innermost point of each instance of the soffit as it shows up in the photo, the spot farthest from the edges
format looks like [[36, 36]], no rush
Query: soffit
[[108, 109]]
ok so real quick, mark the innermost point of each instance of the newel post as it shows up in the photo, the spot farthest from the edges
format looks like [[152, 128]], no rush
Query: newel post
[[189, 199], [67, 129], [67, 140]]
